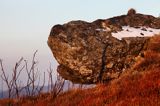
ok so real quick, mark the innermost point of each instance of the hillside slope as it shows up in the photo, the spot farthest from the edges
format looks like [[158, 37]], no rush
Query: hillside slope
[[139, 86]]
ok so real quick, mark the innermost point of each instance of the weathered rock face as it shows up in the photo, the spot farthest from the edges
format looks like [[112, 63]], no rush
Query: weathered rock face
[[88, 53]]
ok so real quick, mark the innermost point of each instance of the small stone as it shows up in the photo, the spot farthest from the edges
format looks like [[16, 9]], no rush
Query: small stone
[[144, 29], [131, 11]]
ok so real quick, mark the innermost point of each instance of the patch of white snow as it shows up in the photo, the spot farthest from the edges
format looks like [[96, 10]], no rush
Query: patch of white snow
[[135, 32]]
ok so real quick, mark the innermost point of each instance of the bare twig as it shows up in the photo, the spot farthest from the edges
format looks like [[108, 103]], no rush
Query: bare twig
[[57, 87], [32, 86], [12, 84]]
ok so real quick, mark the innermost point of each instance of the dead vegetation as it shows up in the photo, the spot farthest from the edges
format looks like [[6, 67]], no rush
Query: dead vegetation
[[19, 91]]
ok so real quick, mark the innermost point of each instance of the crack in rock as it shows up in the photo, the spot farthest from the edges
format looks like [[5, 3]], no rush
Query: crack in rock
[[103, 63]]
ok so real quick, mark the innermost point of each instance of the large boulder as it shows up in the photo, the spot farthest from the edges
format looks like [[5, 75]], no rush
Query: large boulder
[[88, 53]]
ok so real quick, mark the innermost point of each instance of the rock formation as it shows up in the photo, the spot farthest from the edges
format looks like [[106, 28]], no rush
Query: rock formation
[[88, 53]]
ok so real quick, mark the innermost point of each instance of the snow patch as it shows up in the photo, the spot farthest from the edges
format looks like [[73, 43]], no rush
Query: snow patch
[[135, 32]]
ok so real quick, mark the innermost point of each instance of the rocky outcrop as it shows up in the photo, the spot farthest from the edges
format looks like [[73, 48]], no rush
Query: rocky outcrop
[[88, 53]]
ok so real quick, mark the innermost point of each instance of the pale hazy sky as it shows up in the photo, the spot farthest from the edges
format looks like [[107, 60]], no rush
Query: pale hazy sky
[[25, 24]]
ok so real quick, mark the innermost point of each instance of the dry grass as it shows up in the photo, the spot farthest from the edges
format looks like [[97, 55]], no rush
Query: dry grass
[[151, 55], [140, 86], [140, 89]]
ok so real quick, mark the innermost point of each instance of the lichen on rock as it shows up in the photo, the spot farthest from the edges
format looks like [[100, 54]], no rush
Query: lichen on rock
[[88, 53]]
